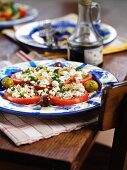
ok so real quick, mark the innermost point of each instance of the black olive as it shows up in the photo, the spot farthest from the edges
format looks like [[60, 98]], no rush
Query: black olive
[[45, 101], [58, 64]]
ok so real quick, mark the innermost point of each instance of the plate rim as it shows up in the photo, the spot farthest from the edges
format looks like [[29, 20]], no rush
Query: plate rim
[[113, 31]]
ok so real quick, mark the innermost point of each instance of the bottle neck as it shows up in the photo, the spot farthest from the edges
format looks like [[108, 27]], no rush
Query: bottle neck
[[84, 13], [85, 33]]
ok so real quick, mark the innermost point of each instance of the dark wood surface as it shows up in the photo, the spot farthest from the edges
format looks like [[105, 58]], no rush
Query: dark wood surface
[[63, 148], [68, 149]]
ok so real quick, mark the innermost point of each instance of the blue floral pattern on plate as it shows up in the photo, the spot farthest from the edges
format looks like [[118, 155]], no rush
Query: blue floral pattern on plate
[[29, 34], [103, 76]]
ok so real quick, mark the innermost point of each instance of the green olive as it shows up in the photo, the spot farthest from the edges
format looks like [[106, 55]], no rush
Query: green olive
[[91, 86], [7, 82]]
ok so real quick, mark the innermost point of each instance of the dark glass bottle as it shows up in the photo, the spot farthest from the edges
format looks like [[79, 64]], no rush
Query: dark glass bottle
[[85, 44]]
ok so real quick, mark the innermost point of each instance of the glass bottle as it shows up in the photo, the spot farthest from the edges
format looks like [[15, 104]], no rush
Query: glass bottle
[[85, 44]]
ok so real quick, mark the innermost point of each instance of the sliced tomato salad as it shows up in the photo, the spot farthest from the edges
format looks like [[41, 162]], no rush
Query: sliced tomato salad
[[20, 100], [20, 81], [83, 80], [60, 85], [22, 94], [65, 102], [16, 80], [10, 11], [86, 78]]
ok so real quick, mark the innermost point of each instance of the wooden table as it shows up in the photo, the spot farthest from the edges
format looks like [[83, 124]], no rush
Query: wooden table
[[68, 150]]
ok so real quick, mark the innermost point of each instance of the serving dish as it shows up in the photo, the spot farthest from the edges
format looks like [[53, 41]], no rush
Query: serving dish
[[104, 77]]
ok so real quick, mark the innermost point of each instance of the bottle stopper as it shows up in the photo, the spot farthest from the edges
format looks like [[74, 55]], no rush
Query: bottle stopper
[[85, 2]]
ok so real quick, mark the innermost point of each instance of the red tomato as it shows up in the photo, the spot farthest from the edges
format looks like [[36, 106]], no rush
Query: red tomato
[[7, 16], [4, 16], [65, 102], [40, 88], [17, 81], [84, 80], [26, 101], [37, 87], [22, 12], [70, 80]]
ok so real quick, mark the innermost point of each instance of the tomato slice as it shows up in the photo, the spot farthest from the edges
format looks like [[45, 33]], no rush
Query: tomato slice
[[65, 102], [41, 88], [87, 78], [83, 81], [5, 16], [17, 81], [26, 101], [22, 13]]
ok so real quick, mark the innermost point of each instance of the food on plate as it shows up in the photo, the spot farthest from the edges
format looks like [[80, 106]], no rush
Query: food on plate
[[7, 82], [65, 102], [91, 85], [11, 11], [50, 85], [22, 94]]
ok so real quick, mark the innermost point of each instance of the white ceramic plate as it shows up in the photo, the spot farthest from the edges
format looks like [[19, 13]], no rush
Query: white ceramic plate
[[32, 13], [104, 77]]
